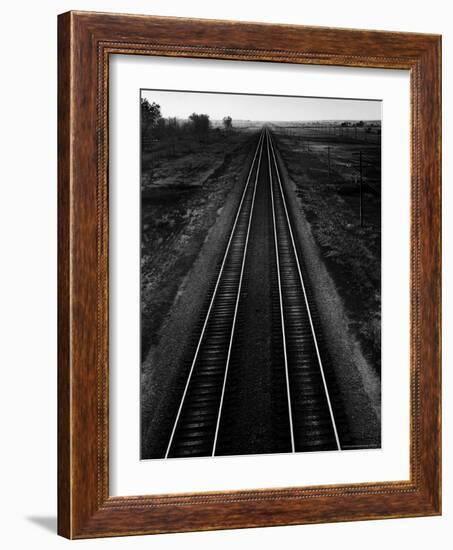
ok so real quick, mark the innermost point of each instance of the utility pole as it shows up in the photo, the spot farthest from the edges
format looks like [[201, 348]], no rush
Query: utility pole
[[361, 189], [328, 159]]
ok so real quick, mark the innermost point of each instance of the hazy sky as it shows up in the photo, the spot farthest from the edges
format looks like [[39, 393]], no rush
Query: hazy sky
[[256, 107]]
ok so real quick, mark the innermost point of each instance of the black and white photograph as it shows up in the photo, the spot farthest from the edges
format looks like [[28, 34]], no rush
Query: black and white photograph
[[260, 274]]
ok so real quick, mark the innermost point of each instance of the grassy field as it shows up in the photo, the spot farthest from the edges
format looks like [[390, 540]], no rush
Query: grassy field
[[325, 163], [185, 183]]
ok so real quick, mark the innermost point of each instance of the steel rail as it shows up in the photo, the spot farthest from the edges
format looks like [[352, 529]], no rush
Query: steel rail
[[321, 368], [258, 148], [282, 318], [237, 301]]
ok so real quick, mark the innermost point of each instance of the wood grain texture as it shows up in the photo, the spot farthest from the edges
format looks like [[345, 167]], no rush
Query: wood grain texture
[[85, 42], [64, 368]]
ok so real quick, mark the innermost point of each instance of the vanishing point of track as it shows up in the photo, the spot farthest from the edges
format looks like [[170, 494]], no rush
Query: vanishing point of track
[[307, 420]]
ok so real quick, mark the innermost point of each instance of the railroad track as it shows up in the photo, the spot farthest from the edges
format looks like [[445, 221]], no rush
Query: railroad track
[[306, 419], [311, 418]]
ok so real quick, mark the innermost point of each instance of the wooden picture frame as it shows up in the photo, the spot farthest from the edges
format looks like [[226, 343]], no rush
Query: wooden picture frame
[[85, 42]]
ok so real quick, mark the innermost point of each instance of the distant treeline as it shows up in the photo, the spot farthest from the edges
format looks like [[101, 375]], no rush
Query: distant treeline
[[154, 126]]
